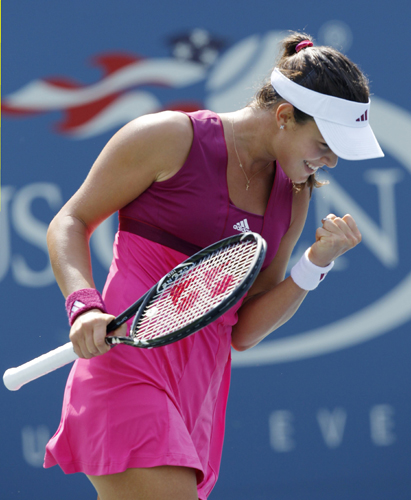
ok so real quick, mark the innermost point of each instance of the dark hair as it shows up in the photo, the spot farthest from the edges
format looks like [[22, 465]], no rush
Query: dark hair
[[322, 69]]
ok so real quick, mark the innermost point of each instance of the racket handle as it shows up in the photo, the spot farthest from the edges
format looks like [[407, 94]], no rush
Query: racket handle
[[14, 378]]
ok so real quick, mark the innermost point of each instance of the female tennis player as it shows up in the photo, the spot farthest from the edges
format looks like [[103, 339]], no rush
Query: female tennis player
[[149, 424]]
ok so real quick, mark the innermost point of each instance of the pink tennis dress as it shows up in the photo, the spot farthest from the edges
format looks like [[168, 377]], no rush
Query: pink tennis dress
[[165, 406]]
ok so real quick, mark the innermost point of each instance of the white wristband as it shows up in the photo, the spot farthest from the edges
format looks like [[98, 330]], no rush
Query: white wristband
[[307, 275]]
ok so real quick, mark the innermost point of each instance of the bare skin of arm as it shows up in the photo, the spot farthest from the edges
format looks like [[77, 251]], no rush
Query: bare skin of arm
[[149, 149], [274, 300]]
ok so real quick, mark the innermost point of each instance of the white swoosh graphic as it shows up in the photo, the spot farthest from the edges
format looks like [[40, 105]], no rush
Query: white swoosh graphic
[[125, 108], [41, 95]]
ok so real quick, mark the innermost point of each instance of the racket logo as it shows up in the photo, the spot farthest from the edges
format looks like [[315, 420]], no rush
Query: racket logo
[[212, 283], [183, 298], [221, 286]]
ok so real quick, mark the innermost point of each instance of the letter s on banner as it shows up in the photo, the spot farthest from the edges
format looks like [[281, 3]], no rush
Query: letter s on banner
[[5, 240], [33, 231]]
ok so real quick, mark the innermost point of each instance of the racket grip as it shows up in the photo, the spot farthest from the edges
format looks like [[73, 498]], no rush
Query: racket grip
[[14, 378]]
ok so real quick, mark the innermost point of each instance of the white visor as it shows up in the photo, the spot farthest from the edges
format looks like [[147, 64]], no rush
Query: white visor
[[343, 124]]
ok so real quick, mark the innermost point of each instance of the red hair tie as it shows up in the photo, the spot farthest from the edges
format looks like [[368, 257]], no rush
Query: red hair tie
[[303, 45]]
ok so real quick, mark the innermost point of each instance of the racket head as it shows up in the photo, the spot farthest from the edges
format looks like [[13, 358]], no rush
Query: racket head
[[197, 291]]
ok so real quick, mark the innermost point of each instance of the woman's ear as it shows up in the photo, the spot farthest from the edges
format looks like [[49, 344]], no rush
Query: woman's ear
[[284, 115]]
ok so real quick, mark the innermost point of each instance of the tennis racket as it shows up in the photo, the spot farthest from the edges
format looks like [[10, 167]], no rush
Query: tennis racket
[[188, 298]]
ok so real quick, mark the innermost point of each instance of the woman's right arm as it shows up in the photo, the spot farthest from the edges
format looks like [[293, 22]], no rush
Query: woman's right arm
[[149, 149]]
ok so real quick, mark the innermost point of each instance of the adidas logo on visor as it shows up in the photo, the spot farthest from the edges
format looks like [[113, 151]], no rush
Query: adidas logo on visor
[[363, 117], [242, 226]]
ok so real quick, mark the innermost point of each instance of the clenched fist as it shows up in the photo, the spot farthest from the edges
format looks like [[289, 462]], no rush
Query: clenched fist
[[336, 236]]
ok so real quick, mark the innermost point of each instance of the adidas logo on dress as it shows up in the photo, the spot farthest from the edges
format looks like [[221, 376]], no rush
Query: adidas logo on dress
[[242, 226]]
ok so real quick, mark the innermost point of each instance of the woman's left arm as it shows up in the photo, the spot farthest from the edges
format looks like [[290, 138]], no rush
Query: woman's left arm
[[272, 301]]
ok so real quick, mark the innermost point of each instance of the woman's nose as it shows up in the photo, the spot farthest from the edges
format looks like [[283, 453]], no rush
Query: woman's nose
[[330, 160]]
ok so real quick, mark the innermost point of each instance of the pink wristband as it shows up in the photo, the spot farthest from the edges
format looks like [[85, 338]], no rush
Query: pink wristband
[[83, 300]]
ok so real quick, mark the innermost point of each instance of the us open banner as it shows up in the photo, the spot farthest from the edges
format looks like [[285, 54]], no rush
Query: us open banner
[[319, 410]]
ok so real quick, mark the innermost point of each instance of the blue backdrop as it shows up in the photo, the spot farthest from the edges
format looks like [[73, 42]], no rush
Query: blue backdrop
[[321, 409]]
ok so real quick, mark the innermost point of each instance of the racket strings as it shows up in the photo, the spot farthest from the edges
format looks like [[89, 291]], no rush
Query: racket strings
[[196, 292]]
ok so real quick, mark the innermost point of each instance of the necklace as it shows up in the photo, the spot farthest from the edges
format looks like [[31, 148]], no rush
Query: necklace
[[248, 179]]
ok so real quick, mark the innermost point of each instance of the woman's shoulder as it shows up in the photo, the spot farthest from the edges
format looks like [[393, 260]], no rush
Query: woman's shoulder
[[165, 125], [160, 141]]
